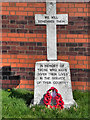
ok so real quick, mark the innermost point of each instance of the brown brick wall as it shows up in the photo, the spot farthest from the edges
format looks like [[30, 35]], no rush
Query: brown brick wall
[[24, 43]]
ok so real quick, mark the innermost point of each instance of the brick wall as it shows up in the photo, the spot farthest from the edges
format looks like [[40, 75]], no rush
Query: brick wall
[[24, 43]]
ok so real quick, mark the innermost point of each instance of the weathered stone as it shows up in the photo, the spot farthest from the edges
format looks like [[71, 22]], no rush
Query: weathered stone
[[53, 74]]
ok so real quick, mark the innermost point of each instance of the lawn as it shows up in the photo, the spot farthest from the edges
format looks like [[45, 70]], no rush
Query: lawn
[[15, 104]]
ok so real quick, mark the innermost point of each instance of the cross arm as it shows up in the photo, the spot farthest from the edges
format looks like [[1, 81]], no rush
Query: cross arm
[[58, 19]]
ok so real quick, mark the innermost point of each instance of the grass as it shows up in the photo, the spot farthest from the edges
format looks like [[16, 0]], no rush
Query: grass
[[15, 104]]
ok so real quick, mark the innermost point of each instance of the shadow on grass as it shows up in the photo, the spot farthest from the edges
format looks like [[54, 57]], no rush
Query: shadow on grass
[[21, 94]]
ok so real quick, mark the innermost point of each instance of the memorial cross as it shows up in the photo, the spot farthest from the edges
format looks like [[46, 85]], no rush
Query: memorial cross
[[51, 19]]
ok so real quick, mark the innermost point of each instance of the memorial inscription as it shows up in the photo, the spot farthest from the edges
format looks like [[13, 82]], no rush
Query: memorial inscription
[[54, 71]]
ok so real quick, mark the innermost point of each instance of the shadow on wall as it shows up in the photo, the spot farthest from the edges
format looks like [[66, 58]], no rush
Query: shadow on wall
[[9, 79]]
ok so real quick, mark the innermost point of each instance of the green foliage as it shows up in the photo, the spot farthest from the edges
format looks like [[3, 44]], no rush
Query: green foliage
[[16, 105]]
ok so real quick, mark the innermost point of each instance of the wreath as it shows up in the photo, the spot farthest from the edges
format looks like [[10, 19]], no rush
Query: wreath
[[52, 99]]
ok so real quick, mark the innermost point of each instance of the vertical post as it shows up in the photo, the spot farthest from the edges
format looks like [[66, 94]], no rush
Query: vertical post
[[51, 32]]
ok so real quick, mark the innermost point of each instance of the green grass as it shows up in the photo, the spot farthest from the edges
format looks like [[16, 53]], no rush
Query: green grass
[[15, 104]]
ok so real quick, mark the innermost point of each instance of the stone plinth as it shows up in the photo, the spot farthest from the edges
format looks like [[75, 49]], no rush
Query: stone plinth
[[53, 74]]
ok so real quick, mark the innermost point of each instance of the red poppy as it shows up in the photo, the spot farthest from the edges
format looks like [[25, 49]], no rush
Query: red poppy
[[58, 98]]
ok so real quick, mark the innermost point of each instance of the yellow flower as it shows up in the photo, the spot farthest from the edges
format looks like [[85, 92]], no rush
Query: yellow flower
[[8, 90]]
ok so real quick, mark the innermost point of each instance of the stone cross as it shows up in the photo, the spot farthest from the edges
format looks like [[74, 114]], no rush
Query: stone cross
[[51, 19]]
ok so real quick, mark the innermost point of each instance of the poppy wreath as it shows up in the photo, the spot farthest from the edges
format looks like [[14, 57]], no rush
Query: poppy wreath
[[58, 98]]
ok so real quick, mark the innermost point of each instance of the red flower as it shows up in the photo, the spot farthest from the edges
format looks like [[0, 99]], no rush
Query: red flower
[[48, 97]]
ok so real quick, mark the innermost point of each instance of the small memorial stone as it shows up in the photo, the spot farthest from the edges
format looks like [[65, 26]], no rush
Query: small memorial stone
[[53, 74]]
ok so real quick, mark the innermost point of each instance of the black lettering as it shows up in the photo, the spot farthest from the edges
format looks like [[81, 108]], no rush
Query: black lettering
[[41, 65], [46, 17]]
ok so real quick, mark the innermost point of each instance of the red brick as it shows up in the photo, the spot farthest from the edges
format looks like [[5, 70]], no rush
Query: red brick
[[80, 57], [62, 4], [13, 35], [80, 9], [39, 57], [85, 9], [40, 40], [74, 87], [12, 8], [71, 5], [30, 13], [22, 61], [39, 35], [5, 64], [88, 14], [30, 35], [86, 62], [80, 5], [71, 14], [80, 88], [22, 56], [5, 39], [80, 62], [31, 4], [30, 86], [72, 62], [6, 56], [5, 12], [4, 8], [63, 40], [24, 82], [31, 65], [62, 9], [71, 57], [13, 56], [80, 14], [4, 86], [4, 60], [29, 9], [72, 66], [5, 4], [21, 8], [71, 35], [39, 5], [71, 40], [13, 64], [86, 36], [5, 81], [31, 82], [31, 40], [22, 86], [80, 83], [80, 36], [63, 57], [38, 9], [71, 9], [12, 4], [21, 13], [81, 66], [80, 40], [22, 4], [13, 60], [73, 83], [14, 81], [12, 13], [22, 65]]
